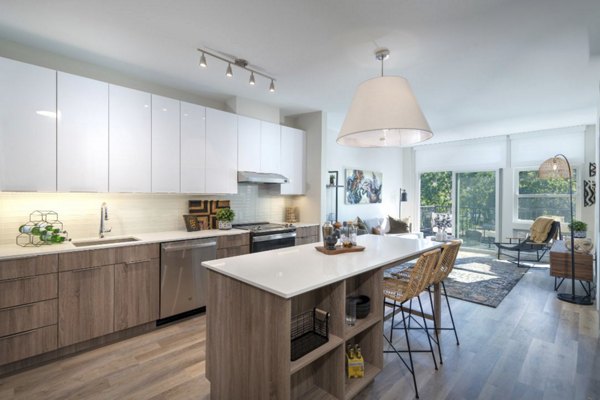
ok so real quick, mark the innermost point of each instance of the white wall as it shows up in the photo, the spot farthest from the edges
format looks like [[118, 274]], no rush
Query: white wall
[[311, 206], [253, 109], [385, 160]]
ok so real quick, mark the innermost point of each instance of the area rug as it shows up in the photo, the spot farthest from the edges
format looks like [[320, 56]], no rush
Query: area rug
[[482, 279]]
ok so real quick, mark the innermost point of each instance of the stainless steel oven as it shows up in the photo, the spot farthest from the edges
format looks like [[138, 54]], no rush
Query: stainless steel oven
[[270, 241], [265, 236]]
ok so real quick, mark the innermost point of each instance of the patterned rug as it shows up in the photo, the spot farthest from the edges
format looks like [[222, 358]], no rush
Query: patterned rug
[[482, 279]]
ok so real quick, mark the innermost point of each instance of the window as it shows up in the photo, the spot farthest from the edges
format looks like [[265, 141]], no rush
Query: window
[[536, 197]]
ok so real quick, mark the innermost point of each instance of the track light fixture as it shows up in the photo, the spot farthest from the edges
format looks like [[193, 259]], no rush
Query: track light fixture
[[240, 63]]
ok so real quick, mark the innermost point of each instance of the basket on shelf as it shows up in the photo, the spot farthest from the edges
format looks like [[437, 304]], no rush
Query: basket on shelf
[[309, 331]]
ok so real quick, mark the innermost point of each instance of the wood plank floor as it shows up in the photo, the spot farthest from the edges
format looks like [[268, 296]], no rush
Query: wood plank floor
[[531, 347]]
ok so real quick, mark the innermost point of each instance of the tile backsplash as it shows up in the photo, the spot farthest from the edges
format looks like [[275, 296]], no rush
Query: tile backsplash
[[131, 213]]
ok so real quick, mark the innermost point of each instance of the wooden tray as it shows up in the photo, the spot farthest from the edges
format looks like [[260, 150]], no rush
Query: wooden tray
[[339, 249]]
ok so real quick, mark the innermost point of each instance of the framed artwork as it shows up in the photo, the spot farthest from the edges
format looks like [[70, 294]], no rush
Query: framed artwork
[[363, 187], [589, 192]]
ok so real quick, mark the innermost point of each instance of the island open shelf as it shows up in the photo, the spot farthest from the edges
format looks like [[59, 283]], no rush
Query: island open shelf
[[249, 318]]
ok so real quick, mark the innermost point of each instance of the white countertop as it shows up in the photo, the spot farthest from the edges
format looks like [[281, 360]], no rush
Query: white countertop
[[292, 271], [15, 251]]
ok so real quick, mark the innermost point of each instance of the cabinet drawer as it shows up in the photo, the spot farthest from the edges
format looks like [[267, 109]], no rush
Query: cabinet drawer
[[28, 266], [28, 344], [224, 242], [143, 252], [86, 259], [29, 289], [28, 317], [233, 251]]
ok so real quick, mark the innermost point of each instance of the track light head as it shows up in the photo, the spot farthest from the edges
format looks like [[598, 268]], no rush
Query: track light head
[[238, 63]]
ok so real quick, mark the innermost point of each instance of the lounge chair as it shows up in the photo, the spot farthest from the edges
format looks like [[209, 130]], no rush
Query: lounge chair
[[528, 245]]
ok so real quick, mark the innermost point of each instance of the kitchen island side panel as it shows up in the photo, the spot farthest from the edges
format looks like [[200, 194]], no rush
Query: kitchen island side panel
[[246, 327]]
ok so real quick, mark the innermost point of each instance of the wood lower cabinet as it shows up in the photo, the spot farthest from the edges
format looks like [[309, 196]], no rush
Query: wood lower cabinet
[[28, 307], [136, 293], [307, 234], [108, 290], [233, 245], [27, 344], [86, 304], [320, 374], [28, 316]]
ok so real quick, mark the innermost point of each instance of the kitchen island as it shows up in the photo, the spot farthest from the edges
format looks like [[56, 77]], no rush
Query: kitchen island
[[251, 302]]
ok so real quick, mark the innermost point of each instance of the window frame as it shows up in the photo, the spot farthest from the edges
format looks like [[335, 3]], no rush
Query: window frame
[[516, 195]]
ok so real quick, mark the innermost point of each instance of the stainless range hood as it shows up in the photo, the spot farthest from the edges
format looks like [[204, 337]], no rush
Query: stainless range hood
[[260, 177]]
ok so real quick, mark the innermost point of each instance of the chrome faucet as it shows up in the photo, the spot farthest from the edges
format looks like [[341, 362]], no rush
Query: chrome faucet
[[103, 217]]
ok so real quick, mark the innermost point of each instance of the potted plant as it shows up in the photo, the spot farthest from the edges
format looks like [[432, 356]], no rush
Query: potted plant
[[578, 228], [225, 216]]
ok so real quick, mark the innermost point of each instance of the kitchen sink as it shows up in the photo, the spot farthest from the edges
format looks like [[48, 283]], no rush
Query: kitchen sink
[[85, 243]]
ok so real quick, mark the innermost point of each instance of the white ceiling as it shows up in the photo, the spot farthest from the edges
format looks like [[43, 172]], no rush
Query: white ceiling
[[476, 66]]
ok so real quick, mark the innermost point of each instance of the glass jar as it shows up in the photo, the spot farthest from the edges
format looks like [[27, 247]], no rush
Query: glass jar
[[327, 230]]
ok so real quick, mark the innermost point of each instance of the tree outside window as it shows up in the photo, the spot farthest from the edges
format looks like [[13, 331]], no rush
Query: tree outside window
[[537, 197]]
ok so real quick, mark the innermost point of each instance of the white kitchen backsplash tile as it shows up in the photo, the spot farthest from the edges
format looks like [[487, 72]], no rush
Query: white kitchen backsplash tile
[[133, 213]]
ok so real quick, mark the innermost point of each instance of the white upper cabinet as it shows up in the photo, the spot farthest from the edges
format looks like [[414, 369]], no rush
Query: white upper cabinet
[[221, 152], [82, 135], [270, 147], [130, 144], [165, 144], [193, 148], [27, 127], [248, 144], [293, 164]]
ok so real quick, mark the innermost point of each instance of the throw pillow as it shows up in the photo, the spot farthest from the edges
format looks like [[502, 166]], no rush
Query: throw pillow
[[361, 224], [397, 226]]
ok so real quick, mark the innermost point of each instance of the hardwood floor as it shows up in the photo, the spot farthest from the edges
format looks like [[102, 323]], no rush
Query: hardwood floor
[[532, 346]]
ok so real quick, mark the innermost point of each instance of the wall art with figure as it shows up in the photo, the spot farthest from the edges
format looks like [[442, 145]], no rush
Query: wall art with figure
[[363, 187]]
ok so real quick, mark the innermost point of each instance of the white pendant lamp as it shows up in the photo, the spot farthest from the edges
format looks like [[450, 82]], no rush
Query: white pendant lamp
[[384, 113]]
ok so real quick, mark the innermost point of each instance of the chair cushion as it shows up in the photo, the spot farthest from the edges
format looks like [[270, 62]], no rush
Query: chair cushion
[[540, 229], [397, 226]]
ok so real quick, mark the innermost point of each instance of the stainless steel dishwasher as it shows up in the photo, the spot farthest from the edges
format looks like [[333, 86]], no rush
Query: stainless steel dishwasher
[[182, 277]]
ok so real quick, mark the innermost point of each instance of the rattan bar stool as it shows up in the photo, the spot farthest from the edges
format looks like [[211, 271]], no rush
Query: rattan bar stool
[[445, 265], [399, 290]]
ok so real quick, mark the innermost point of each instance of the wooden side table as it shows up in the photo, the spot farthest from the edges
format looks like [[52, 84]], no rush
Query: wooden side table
[[560, 264]]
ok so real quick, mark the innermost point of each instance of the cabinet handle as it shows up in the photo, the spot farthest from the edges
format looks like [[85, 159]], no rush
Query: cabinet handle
[[30, 305], [137, 262], [87, 269], [22, 278], [18, 334]]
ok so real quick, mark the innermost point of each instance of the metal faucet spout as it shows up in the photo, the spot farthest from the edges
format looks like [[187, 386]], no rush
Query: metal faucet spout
[[103, 217]]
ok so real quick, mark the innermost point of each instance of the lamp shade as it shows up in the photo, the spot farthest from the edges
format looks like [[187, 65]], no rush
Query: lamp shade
[[555, 167], [384, 113]]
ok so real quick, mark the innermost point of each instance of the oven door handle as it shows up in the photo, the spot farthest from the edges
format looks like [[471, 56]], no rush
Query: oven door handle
[[274, 236]]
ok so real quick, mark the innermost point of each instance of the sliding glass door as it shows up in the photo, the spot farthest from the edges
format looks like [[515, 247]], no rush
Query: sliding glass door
[[475, 208], [469, 198]]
